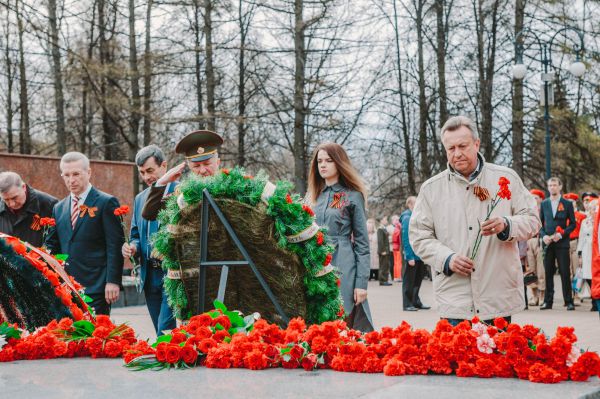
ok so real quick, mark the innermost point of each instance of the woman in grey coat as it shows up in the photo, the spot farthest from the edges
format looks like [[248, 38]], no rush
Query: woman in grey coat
[[338, 195]]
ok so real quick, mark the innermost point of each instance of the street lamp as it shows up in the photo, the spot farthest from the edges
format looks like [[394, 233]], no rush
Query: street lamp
[[519, 71]]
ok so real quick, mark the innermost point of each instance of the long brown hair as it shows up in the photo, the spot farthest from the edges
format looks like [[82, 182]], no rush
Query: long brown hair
[[348, 175]]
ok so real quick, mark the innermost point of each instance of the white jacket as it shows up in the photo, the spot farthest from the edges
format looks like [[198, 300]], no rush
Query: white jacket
[[446, 221]]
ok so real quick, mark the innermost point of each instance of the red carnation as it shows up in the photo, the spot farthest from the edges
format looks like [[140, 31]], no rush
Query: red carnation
[[320, 238], [189, 355], [296, 352], [308, 210], [327, 260], [559, 230], [288, 198], [161, 352], [173, 354], [500, 323], [309, 362], [225, 171], [112, 349]]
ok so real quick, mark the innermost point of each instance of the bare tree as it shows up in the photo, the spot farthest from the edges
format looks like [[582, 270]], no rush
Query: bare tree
[[148, 76], [210, 71], [517, 99], [59, 99], [24, 133]]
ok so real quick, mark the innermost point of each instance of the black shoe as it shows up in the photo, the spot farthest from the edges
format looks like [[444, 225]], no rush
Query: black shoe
[[546, 306], [570, 307], [593, 309], [424, 307], [410, 309], [385, 284]]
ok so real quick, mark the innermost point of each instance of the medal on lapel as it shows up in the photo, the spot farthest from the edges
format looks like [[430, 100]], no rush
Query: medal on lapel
[[481, 192], [560, 207]]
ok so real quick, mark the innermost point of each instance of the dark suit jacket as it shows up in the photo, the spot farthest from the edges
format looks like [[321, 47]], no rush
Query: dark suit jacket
[[21, 225], [550, 222], [94, 245], [139, 235]]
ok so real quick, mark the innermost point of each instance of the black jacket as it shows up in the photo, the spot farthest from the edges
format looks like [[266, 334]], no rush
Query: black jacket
[[94, 245], [550, 222], [38, 205]]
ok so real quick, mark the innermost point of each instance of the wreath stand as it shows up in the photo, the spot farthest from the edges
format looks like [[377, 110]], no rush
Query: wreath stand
[[207, 203]]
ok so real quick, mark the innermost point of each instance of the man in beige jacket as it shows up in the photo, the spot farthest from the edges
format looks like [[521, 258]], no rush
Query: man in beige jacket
[[446, 221]]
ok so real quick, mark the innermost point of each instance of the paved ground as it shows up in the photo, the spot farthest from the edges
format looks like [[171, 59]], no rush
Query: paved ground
[[69, 378]]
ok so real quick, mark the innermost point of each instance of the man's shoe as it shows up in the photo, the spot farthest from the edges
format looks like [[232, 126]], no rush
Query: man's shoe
[[546, 306], [424, 307], [570, 307], [410, 309], [534, 301]]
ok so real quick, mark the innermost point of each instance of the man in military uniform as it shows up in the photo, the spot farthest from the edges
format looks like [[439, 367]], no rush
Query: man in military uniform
[[22, 207], [201, 157]]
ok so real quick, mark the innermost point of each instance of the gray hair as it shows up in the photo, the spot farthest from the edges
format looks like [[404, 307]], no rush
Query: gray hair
[[74, 157], [147, 152], [456, 122], [9, 180]]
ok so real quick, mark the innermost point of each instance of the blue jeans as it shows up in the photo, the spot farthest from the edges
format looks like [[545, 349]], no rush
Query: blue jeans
[[156, 300]]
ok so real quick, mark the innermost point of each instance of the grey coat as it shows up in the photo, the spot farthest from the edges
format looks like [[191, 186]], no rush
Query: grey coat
[[342, 211]]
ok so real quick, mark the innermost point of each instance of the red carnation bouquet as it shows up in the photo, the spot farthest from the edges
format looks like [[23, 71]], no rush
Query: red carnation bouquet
[[46, 224], [502, 193], [120, 212]]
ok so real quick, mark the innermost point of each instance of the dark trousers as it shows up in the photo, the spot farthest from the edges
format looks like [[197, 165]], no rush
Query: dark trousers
[[99, 304], [384, 268], [455, 322], [560, 255], [156, 301], [412, 277], [374, 274]]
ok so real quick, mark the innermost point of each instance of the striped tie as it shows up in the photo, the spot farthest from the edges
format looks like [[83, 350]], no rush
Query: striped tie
[[74, 211]]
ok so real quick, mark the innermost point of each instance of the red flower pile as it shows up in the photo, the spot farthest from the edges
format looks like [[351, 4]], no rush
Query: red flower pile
[[224, 339], [471, 349], [67, 338]]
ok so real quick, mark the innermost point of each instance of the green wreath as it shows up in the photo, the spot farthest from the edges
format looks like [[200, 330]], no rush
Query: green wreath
[[290, 217]]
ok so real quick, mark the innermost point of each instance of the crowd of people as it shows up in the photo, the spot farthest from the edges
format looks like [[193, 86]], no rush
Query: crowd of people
[[474, 230]]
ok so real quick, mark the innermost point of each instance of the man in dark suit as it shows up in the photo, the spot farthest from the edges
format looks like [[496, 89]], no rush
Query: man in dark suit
[[21, 209], [152, 166], [90, 233], [555, 212]]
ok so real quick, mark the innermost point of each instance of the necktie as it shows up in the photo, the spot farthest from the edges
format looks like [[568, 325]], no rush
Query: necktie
[[74, 210]]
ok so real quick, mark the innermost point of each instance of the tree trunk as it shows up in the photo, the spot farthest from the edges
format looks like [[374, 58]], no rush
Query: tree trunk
[[210, 73], [10, 79], [198, 70], [423, 152], [517, 103], [84, 132], [134, 76], [24, 134], [486, 69], [147, 77], [441, 33], [299, 110], [410, 168], [59, 99], [241, 123], [108, 125]]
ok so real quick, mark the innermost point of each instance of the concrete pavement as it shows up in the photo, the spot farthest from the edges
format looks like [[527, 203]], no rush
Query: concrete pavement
[[69, 378]]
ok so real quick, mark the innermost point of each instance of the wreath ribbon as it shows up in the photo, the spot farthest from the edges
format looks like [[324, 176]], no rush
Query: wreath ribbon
[[304, 235]]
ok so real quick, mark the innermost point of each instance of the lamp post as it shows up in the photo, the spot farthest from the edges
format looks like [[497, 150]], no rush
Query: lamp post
[[519, 70]]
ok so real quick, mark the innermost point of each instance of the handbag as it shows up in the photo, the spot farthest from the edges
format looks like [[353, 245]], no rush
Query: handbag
[[530, 278]]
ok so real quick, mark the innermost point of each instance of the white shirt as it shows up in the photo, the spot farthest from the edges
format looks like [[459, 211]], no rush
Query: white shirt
[[554, 204], [82, 197]]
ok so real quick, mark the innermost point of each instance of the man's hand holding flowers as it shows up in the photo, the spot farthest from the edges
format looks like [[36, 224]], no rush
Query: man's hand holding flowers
[[493, 226]]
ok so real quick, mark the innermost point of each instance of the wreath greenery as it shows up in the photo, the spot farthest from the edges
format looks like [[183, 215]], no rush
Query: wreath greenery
[[290, 217]]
